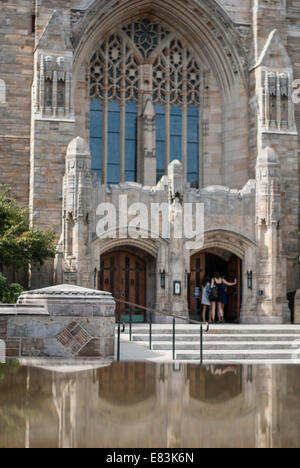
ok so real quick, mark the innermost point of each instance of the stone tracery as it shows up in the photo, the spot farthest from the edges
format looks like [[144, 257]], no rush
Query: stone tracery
[[176, 74], [140, 63]]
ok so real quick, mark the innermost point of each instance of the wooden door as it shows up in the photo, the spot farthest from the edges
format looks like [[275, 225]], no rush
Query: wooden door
[[234, 292], [124, 275], [196, 279]]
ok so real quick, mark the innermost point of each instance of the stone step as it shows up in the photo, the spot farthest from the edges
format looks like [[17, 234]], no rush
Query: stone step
[[249, 355], [234, 331], [216, 339], [226, 346], [222, 344]]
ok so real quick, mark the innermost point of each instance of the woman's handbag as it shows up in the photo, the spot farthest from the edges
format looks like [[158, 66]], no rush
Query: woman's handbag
[[214, 294]]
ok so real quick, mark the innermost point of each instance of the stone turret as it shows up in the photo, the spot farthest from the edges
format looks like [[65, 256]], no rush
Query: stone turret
[[272, 304], [78, 179], [76, 212]]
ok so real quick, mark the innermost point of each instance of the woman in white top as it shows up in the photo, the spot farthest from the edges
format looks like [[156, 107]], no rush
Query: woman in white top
[[205, 298]]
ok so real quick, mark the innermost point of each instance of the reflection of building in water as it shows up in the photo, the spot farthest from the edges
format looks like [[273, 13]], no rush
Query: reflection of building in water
[[65, 401], [143, 405], [156, 406]]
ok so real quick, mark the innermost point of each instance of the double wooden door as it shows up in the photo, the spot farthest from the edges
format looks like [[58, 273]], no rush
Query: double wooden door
[[124, 275]]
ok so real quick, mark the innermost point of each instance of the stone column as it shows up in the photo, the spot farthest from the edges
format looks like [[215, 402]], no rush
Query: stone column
[[77, 215], [272, 303], [51, 128], [276, 129], [149, 145], [148, 127], [177, 251]]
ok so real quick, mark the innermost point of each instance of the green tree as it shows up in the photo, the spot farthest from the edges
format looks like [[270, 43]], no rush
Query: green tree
[[21, 246], [9, 293]]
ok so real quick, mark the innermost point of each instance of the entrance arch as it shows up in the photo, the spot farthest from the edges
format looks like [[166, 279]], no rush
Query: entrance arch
[[126, 272], [206, 263]]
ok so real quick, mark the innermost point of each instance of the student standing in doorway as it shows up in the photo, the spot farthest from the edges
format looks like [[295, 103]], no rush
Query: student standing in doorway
[[217, 302], [205, 298]]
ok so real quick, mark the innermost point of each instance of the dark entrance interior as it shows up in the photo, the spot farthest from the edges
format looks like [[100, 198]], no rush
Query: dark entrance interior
[[206, 264], [123, 273]]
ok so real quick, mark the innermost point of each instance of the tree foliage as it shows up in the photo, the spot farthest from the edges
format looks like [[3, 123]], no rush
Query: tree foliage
[[9, 293], [19, 245]]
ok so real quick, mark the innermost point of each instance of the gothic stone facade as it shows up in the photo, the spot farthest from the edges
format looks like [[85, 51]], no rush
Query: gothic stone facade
[[207, 83]]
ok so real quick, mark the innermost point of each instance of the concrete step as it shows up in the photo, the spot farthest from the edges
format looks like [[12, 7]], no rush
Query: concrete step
[[216, 339], [216, 331], [222, 344], [286, 345], [249, 355]]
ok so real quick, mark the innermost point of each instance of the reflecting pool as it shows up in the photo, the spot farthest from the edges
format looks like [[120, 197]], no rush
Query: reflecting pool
[[140, 405]]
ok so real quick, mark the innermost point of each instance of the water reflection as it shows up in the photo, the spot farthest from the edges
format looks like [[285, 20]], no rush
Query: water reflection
[[149, 405]]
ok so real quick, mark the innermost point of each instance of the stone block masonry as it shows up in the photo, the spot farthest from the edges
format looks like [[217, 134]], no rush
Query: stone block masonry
[[60, 322]]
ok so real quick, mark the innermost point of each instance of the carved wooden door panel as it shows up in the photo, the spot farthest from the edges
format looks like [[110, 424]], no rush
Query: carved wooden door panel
[[124, 275], [196, 278]]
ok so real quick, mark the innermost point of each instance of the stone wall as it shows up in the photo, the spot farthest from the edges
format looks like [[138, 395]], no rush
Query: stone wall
[[62, 322], [64, 337], [16, 71]]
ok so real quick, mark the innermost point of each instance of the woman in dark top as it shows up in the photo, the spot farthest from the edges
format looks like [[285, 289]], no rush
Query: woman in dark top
[[218, 281]]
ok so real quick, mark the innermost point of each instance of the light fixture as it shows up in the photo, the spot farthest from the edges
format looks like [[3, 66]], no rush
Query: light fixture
[[250, 279], [95, 278], [163, 279]]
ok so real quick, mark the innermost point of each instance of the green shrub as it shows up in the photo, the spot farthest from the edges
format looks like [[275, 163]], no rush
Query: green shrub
[[9, 293]]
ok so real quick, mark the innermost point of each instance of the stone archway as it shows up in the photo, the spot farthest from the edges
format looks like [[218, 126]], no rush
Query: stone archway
[[239, 254], [212, 32], [128, 269], [204, 265]]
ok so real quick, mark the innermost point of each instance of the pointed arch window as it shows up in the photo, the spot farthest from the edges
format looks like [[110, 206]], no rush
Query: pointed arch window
[[138, 62]]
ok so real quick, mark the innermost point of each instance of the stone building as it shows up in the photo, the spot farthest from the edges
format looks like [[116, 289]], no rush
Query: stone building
[[163, 102]]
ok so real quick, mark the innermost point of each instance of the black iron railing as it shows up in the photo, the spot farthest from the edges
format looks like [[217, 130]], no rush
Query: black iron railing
[[151, 312]]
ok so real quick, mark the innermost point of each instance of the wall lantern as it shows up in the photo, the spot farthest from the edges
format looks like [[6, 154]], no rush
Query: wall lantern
[[163, 279], [250, 279], [95, 278]]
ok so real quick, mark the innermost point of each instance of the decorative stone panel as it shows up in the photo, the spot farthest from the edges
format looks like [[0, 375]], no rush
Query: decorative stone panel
[[52, 91]]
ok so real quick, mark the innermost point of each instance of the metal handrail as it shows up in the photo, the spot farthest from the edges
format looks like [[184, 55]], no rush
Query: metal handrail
[[155, 311], [119, 339], [174, 317]]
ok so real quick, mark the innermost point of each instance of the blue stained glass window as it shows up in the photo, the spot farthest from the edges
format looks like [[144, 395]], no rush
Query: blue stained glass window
[[176, 133], [160, 140], [113, 143], [131, 118], [131, 142], [96, 131], [193, 147]]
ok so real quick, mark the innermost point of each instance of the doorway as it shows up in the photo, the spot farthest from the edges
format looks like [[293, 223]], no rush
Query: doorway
[[123, 274], [206, 264]]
